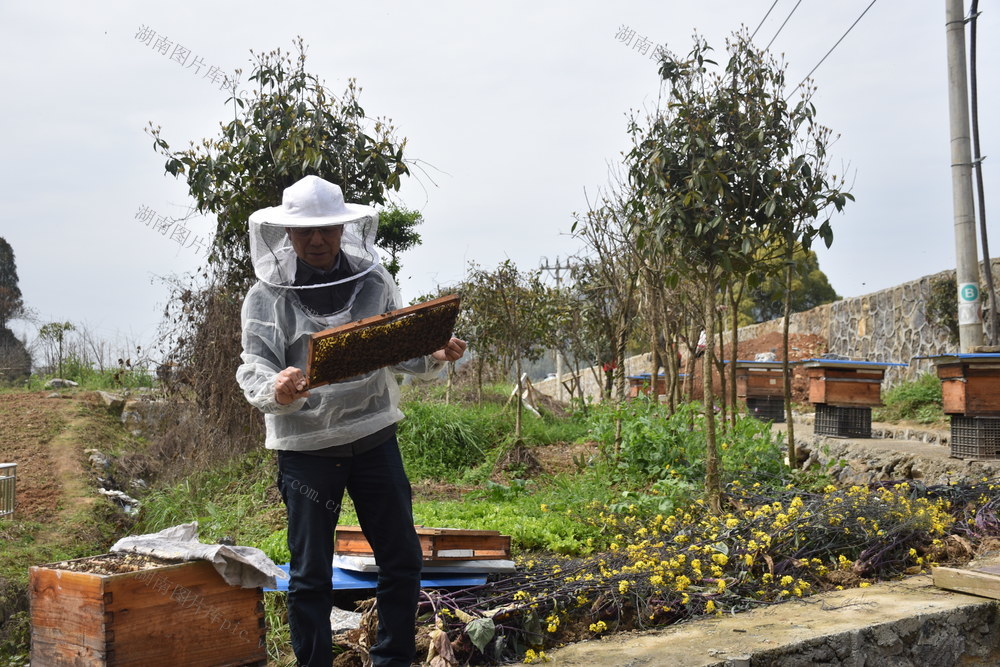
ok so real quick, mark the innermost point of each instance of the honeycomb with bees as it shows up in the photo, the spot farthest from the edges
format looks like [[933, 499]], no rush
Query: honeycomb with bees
[[375, 342]]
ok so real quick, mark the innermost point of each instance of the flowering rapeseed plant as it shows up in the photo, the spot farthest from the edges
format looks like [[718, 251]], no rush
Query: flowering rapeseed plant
[[767, 546]]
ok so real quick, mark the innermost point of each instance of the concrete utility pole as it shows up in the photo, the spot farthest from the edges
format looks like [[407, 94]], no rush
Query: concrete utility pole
[[557, 269], [970, 325]]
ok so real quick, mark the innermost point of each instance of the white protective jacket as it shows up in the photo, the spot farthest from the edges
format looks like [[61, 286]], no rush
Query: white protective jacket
[[276, 331]]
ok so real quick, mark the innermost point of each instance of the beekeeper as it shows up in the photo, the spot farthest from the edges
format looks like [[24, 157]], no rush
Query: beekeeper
[[316, 265]]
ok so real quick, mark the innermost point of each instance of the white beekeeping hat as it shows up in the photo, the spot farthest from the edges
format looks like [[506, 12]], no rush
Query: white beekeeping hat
[[311, 203]]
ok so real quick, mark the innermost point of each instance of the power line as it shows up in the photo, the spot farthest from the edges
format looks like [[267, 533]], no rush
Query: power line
[[762, 20], [831, 49], [783, 25]]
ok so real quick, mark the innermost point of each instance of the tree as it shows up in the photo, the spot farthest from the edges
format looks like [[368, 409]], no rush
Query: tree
[[515, 309], [11, 304], [810, 288], [290, 127], [395, 234], [55, 334], [723, 166]]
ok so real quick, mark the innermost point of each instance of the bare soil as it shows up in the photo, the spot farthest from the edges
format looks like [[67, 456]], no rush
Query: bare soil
[[28, 423]]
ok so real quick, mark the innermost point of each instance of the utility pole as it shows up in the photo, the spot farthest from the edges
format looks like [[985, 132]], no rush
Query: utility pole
[[970, 325], [557, 271]]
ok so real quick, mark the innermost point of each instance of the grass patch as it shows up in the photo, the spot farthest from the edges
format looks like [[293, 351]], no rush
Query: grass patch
[[917, 401], [238, 500]]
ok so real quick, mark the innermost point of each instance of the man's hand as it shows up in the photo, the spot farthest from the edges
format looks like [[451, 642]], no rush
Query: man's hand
[[452, 351], [290, 385]]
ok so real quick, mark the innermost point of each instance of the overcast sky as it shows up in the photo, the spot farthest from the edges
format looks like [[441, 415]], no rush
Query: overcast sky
[[517, 107]]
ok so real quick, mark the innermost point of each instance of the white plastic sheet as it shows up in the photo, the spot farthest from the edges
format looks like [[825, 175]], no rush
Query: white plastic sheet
[[247, 567]]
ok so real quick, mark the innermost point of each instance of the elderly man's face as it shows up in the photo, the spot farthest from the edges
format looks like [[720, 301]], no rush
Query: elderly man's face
[[316, 246]]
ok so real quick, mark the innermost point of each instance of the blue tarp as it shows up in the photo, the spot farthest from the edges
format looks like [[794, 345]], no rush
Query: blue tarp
[[349, 579]]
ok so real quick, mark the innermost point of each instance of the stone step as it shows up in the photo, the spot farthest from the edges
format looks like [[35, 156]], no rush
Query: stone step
[[899, 624]]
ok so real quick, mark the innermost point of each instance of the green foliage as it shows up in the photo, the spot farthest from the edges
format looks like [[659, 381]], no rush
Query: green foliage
[[11, 304], [506, 318], [454, 442], [442, 441], [395, 234], [810, 288], [728, 164], [292, 127], [546, 519], [663, 448], [83, 372], [54, 333], [275, 546], [237, 500], [918, 401], [15, 361], [15, 637]]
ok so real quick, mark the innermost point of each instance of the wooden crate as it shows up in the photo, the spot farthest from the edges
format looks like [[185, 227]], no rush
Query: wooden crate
[[971, 387], [759, 379], [845, 387], [438, 544], [183, 614]]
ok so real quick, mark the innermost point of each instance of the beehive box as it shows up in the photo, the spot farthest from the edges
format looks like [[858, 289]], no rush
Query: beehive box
[[759, 379], [640, 384], [163, 615], [970, 384], [383, 340], [437, 544], [845, 386]]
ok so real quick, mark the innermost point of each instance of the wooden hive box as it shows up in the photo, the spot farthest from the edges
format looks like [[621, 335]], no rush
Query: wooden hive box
[[182, 614], [970, 385], [438, 544], [640, 384], [759, 379], [844, 386]]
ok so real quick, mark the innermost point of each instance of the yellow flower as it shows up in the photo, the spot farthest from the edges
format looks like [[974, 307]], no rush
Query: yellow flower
[[598, 627], [709, 607]]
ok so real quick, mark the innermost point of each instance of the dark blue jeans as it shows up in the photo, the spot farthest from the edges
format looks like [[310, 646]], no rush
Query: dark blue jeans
[[313, 488]]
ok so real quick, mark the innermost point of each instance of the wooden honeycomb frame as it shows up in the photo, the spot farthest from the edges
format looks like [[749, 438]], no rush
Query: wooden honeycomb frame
[[383, 340]]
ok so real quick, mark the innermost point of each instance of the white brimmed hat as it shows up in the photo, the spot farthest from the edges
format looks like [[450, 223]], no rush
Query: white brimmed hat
[[312, 202]]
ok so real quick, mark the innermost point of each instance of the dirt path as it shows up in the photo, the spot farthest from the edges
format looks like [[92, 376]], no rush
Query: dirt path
[[44, 436]]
